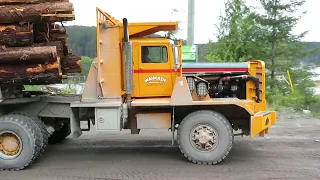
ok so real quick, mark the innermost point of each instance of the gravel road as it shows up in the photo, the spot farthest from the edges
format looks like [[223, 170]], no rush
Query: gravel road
[[290, 151]]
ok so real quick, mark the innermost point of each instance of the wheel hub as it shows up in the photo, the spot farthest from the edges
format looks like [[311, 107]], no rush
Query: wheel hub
[[204, 138], [10, 145]]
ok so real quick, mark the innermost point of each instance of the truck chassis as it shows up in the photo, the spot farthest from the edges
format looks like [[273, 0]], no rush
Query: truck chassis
[[204, 133]]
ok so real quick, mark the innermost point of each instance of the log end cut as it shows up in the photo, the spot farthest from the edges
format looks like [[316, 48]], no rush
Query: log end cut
[[31, 74], [72, 64]]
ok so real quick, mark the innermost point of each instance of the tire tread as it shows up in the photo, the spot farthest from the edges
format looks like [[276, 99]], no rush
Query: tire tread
[[222, 119], [29, 127], [45, 134]]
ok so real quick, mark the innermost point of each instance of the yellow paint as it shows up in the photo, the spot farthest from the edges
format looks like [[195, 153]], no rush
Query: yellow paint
[[257, 69], [261, 123], [110, 63], [291, 84], [153, 83]]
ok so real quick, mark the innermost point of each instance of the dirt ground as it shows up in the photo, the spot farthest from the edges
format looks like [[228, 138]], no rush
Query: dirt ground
[[290, 151]]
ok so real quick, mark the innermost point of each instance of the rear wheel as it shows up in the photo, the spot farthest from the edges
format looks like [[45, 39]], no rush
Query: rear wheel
[[60, 134], [20, 142], [205, 137], [42, 128]]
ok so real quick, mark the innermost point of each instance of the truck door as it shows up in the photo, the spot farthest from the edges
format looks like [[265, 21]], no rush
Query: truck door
[[155, 72]]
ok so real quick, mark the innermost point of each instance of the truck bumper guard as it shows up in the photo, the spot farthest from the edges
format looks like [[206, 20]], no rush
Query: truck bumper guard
[[261, 122]]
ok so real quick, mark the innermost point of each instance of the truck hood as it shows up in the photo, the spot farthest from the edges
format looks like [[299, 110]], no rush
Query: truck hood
[[209, 68]]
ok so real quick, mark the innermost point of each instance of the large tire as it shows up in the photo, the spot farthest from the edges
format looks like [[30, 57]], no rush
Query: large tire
[[223, 134], [30, 137], [60, 135], [42, 128]]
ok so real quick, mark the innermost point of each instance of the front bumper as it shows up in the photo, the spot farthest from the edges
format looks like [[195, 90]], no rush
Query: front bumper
[[261, 121]]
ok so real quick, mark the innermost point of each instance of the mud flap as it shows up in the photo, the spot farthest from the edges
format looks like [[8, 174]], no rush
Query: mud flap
[[261, 122], [75, 123]]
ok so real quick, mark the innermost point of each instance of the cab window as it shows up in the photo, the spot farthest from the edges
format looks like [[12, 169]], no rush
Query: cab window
[[154, 54]]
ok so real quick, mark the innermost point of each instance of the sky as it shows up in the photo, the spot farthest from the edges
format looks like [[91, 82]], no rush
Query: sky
[[206, 15]]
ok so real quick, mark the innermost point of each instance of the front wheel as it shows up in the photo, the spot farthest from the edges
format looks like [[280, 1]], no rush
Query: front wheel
[[205, 137]]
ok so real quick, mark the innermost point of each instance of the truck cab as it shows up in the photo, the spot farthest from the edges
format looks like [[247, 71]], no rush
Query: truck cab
[[155, 67]]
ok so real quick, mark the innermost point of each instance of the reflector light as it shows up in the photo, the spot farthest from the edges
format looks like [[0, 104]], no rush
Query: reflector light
[[202, 89], [191, 83]]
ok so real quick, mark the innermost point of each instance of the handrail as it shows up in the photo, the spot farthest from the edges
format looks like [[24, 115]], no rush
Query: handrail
[[103, 16]]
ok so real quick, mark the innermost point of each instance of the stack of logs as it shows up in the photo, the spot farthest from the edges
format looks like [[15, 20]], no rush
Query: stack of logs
[[33, 47]]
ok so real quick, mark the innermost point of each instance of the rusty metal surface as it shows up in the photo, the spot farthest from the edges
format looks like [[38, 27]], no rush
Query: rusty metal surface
[[284, 154]]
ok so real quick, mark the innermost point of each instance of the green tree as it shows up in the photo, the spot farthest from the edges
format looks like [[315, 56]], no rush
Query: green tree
[[282, 50], [244, 34], [82, 40], [234, 34]]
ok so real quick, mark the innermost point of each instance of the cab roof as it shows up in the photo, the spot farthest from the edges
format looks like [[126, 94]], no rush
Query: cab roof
[[151, 39], [140, 29], [148, 28]]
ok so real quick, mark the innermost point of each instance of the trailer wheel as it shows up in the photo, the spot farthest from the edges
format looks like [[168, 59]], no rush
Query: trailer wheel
[[42, 127], [19, 142], [60, 135], [205, 137]]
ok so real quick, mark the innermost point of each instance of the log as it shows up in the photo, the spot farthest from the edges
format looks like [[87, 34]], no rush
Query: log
[[57, 44], [28, 55], [72, 64], [63, 38], [42, 27], [31, 74], [42, 37], [16, 35], [45, 12], [65, 48], [10, 2]]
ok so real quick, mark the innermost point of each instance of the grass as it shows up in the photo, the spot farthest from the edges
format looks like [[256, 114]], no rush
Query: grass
[[33, 88]]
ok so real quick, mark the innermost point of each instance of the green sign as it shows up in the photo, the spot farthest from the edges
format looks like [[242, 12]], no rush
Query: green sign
[[189, 53]]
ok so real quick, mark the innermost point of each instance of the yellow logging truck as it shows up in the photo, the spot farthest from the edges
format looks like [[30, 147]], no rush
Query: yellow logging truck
[[136, 83]]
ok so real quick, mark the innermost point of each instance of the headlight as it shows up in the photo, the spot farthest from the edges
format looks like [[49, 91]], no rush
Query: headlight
[[191, 83], [202, 89]]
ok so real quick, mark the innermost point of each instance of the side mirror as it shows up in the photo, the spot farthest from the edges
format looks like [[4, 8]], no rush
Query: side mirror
[[176, 58]]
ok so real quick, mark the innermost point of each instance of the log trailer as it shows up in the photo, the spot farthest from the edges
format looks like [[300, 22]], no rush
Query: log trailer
[[137, 83]]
